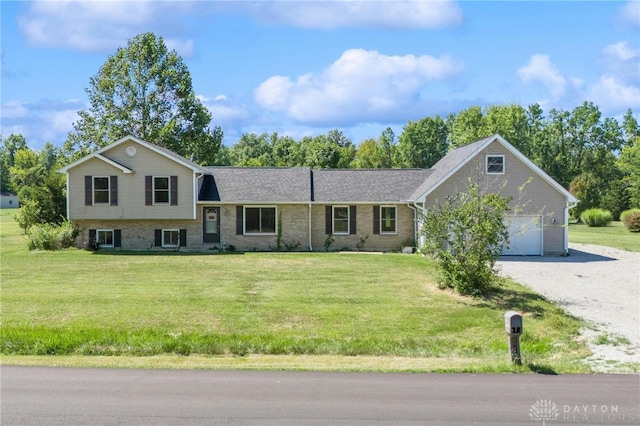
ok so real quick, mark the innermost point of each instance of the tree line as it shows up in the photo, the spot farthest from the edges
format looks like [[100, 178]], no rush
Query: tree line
[[146, 90]]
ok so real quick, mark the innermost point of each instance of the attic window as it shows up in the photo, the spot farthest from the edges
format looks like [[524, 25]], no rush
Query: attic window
[[495, 164]]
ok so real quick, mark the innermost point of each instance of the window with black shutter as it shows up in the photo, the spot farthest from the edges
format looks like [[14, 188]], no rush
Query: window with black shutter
[[239, 220], [148, 191], [88, 190], [158, 237], [114, 190], [352, 220], [117, 238], [376, 220]]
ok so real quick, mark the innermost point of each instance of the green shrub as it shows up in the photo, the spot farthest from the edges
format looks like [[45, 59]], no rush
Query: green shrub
[[46, 236], [631, 219], [596, 217], [465, 236]]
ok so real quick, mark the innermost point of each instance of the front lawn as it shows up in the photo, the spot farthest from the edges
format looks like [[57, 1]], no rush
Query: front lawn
[[288, 310], [614, 235]]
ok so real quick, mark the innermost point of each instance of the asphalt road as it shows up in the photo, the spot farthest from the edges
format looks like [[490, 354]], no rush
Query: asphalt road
[[64, 396]]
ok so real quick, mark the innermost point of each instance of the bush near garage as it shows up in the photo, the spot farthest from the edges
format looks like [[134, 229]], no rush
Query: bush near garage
[[596, 217]]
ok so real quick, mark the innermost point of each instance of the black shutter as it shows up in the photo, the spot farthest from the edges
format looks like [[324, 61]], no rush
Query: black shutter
[[183, 238], [117, 238], [114, 190], [376, 220], [239, 227], [88, 190], [174, 190], [328, 220], [352, 220], [158, 233], [148, 194], [92, 238]]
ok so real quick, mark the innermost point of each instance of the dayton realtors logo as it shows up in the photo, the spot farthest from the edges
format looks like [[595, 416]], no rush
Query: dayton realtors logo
[[545, 410]]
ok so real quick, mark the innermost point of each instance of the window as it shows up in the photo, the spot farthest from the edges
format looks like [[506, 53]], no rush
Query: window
[[104, 237], [388, 220], [260, 220], [495, 164], [170, 238], [100, 190], [160, 190], [341, 220]]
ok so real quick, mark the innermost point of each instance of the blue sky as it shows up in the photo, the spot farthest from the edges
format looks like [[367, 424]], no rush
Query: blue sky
[[303, 68]]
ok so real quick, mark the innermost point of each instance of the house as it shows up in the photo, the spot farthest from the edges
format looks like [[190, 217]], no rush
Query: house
[[9, 200], [135, 195]]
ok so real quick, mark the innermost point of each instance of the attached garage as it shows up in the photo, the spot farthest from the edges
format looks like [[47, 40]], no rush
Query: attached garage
[[525, 236]]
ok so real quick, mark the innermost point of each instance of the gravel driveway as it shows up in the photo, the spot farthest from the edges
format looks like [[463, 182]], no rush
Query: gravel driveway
[[598, 284]]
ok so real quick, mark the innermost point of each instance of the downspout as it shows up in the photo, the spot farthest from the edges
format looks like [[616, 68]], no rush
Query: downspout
[[310, 247], [311, 200], [68, 205], [566, 225]]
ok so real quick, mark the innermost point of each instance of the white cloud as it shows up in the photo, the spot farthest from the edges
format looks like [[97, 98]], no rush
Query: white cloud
[[13, 109], [398, 15], [40, 122], [630, 13], [622, 60], [621, 51], [101, 25], [610, 94], [226, 112], [540, 69], [360, 86]]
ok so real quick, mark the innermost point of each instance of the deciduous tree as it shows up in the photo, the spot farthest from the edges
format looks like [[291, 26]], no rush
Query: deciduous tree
[[145, 90], [423, 142]]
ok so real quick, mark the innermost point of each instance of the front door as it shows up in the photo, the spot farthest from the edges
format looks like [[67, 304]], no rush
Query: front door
[[211, 225]]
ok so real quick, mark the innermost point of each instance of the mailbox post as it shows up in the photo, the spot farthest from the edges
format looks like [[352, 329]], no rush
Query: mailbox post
[[513, 327]]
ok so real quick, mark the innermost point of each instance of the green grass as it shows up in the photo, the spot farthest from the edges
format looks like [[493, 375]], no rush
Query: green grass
[[615, 235], [263, 310]]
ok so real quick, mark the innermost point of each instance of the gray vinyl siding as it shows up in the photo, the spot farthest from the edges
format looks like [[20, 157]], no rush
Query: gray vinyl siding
[[537, 198], [131, 195]]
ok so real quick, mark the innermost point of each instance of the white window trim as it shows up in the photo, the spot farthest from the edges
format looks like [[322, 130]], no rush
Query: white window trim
[[487, 164], [244, 220], [153, 190], [395, 221], [333, 220], [93, 188], [170, 245], [98, 231]]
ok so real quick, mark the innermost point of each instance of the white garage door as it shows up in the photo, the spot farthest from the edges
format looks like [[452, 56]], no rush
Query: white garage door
[[525, 236]]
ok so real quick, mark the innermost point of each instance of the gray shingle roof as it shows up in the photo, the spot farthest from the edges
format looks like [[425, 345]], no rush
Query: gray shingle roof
[[379, 185], [261, 184], [301, 184], [447, 164]]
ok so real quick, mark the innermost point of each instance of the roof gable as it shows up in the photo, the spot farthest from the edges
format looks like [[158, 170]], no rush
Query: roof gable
[[459, 157], [157, 149]]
